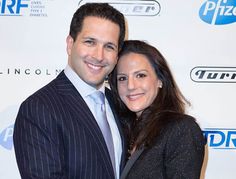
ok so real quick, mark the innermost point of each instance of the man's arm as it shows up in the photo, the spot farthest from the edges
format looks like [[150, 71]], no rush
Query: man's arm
[[36, 142]]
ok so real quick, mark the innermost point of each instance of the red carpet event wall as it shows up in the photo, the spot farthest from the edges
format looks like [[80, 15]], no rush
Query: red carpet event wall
[[196, 37]]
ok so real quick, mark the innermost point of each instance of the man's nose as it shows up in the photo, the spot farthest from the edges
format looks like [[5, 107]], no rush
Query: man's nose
[[99, 53]]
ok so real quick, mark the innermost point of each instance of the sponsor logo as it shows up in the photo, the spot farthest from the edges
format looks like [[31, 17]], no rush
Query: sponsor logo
[[6, 137], [13, 7], [7, 117], [218, 12], [218, 138], [29, 71], [33, 8], [213, 74], [133, 8]]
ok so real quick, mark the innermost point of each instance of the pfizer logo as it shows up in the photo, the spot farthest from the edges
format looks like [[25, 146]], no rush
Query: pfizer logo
[[218, 12]]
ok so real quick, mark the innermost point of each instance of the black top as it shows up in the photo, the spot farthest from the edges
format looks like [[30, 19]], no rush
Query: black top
[[177, 153]]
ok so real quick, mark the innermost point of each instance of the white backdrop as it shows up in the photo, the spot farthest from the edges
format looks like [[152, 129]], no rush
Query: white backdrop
[[196, 37]]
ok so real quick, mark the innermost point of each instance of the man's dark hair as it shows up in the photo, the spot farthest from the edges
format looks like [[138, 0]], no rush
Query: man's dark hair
[[101, 10]]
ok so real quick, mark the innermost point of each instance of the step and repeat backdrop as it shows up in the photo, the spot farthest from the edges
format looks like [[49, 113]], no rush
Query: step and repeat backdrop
[[198, 39]]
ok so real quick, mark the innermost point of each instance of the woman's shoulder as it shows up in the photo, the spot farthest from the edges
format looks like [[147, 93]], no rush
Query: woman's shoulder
[[186, 121], [180, 120], [181, 124]]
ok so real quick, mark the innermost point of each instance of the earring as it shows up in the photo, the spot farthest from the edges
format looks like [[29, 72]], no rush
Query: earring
[[160, 85]]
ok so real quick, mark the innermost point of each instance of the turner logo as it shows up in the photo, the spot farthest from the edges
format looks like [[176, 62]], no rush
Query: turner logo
[[6, 138], [218, 138], [218, 12], [133, 8], [213, 74]]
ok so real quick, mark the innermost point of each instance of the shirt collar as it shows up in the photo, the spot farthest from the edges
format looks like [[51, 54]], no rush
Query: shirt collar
[[82, 87]]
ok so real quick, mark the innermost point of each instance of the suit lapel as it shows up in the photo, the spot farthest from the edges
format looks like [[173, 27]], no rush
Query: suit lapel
[[113, 108], [85, 117], [131, 162]]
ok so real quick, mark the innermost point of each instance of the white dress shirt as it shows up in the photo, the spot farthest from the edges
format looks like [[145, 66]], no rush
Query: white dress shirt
[[85, 90]]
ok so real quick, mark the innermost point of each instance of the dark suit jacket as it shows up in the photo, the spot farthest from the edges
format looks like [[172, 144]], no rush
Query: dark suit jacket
[[56, 136], [177, 153]]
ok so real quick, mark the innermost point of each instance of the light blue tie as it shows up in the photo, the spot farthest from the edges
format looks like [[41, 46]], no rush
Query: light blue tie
[[99, 99]]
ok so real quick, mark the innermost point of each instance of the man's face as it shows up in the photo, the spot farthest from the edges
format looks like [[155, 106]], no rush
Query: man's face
[[94, 53]]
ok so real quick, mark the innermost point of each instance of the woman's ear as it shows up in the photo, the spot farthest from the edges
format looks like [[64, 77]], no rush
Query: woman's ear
[[160, 84]]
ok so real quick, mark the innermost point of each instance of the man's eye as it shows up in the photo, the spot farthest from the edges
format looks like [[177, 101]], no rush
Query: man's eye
[[89, 42], [110, 47]]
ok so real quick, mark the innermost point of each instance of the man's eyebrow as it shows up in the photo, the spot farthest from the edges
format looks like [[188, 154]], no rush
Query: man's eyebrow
[[105, 43], [90, 38]]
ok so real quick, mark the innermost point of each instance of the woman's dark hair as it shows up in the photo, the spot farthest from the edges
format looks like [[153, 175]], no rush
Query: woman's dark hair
[[169, 99], [101, 10]]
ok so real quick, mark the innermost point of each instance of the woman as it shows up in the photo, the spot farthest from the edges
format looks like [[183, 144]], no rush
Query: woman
[[164, 142]]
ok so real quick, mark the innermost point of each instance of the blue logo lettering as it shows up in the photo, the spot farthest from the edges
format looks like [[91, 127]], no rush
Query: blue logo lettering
[[220, 138], [12, 7], [218, 12], [6, 137]]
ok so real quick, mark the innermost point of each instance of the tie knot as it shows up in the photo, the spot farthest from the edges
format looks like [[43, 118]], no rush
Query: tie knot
[[98, 97]]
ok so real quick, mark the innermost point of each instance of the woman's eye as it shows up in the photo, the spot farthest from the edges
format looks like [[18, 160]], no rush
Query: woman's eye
[[141, 75], [121, 78]]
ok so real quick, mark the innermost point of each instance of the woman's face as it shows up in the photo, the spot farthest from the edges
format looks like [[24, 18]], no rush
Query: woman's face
[[137, 82]]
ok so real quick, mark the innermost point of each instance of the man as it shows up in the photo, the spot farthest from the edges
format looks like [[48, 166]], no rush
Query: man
[[57, 134]]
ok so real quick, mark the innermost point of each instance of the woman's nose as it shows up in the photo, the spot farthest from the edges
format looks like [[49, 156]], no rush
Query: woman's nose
[[131, 83]]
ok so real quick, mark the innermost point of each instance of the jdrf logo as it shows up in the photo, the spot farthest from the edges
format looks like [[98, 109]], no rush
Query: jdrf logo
[[12, 7], [6, 140], [218, 12], [220, 138]]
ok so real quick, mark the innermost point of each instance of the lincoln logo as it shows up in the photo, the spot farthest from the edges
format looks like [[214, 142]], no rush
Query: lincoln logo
[[213, 74], [133, 8]]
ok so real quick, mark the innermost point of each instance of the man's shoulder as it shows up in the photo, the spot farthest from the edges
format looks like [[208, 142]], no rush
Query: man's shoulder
[[45, 92]]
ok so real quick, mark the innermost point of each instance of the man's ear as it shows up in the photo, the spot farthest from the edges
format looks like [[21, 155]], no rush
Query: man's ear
[[69, 42]]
